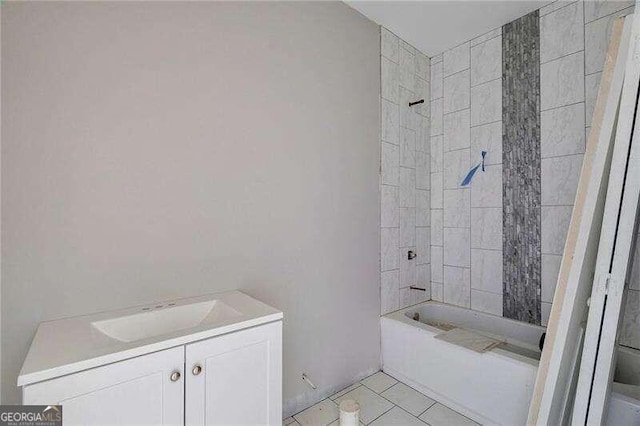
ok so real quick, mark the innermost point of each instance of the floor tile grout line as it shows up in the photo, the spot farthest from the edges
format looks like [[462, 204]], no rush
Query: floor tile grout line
[[393, 403], [427, 409]]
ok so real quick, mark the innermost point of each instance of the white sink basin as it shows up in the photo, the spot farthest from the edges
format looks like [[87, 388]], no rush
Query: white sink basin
[[150, 322], [69, 345]]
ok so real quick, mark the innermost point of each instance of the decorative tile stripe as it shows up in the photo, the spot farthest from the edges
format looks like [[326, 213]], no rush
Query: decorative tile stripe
[[522, 257]]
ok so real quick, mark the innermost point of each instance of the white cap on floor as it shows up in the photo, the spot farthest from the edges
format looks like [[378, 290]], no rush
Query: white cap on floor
[[349, 412]]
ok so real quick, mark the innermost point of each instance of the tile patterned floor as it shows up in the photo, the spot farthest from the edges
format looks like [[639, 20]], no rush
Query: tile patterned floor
[[383, 401]]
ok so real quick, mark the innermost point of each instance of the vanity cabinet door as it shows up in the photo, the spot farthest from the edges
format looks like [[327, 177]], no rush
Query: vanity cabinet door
[[141, 390], [235, 379]]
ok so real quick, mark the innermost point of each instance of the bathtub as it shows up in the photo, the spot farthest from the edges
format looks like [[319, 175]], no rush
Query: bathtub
[[494, 387]]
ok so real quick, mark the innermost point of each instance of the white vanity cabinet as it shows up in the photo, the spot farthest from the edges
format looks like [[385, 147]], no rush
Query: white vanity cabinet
[[225, 375], [135, 391], [235, 379]]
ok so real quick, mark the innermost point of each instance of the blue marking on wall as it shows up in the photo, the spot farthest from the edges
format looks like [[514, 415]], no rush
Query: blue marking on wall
[[467, 179]]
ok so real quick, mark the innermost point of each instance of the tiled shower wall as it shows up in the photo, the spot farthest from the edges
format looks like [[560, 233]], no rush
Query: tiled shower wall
[[466, 222], [467, 225], [405, 174]]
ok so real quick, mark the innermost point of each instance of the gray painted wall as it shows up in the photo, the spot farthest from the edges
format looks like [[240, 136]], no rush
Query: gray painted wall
[[160, 150]]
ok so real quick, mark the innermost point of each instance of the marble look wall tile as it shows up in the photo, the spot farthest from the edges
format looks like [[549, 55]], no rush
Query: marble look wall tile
[[550, 270], [423, 171], [488, 137], [436, 264], [457, 130], [423, 279], [486, 102], [408, 116], [437, 227], [486, 187], [390, 169], [486, 36], [562, 32], [553, 6], [409, 48], [389, 44], [423, 245], [559, 179], [562, 131], [483, 301], [389, 79], [405, 297], [456, 91], [437, 291], [486, 270], [456, 208], [591, 87], [562, 81], [486, 229], [456, 59], [457, 287], [457, 249], [407, 226], [436, 153], [422, 135], [407, 268], [597, 35], [555, 224], [436, 117], [389, 294], [630, 329], [407, 187], [545, 312], [457, 164], [436, 81], [407, 68], [423, 210], [389, 217], [422, 65], [389, 240], [596, 9], [486, 61], [421, 92], [417, 297], [436, 191], [390, 122], [437, 59], [407, 147]]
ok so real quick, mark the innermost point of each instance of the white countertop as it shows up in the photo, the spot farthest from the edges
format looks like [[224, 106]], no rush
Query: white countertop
[[73, 344]]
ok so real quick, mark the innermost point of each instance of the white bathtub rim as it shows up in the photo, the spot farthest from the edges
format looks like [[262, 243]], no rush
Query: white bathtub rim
[[400, 316]]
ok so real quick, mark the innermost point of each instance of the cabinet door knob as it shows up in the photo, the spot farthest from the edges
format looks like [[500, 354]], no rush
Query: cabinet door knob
[[175, 376], [197, 370]]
